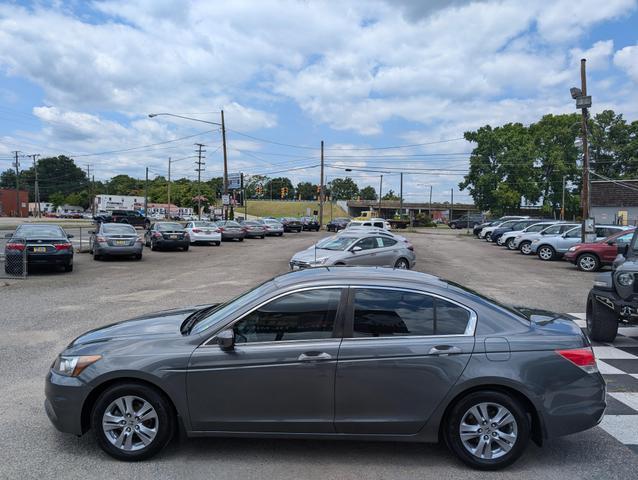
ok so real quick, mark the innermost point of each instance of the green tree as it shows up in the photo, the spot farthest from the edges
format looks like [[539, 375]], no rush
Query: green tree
[[390, 196], [307, 191], [343, 189], [273, 187], [368, 193], [57, 199], [613, 145]]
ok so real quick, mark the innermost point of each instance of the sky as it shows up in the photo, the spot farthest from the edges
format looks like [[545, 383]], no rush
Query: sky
[[388, 85]]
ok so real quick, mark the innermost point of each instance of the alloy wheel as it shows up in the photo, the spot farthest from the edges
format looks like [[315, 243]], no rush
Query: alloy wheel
[[545, 253], [526, 248], [130, 423], [587, 263], [401, 264], [488, 430]]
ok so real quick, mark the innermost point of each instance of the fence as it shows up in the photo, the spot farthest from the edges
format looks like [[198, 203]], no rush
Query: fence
[[13, 256]]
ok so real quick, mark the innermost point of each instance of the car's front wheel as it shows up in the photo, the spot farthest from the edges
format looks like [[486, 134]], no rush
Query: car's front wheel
[[487, 430], [510, 244], [488, 237], [526, 248], [546, 253], [588, 262], [602, 321], [132, 421], [402, 264]]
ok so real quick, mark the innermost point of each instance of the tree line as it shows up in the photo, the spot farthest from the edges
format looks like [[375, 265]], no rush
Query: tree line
[[514, 165]]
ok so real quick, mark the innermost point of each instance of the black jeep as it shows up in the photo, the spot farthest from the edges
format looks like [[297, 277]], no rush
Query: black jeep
[[614, 298]]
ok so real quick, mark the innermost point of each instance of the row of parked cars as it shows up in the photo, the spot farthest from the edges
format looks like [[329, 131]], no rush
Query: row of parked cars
[[551, 240]]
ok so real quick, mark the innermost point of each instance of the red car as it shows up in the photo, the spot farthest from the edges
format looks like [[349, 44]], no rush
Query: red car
[[590, 257]]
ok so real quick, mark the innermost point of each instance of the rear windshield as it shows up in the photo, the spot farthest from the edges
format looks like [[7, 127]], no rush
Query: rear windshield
[[39, 231], [118, 228], [167, 227], [203, 224], [230, 223]]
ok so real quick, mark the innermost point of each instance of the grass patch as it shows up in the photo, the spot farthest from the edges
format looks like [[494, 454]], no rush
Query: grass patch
[[278, 208]]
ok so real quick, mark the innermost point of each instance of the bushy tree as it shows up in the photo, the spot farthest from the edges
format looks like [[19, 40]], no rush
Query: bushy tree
[[343, 189], [368, 193]]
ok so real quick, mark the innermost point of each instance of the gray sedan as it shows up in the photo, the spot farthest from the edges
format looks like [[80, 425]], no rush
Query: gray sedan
[[115, 239], [333, 353], [358, 248]]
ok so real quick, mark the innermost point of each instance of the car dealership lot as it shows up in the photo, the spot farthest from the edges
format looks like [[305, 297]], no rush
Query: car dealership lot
[[43, 313]]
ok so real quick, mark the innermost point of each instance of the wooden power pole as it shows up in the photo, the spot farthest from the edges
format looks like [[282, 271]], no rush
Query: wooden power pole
[[321, 192]]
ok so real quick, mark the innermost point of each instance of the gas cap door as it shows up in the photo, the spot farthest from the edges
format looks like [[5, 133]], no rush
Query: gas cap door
[[497, 349]]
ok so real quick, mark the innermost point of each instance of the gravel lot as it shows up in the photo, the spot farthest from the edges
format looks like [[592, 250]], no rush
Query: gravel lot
[[41, 315]]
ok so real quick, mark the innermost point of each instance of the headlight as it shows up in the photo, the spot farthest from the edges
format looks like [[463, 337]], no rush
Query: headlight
[[626, 279], [572, 249], [72, 366]]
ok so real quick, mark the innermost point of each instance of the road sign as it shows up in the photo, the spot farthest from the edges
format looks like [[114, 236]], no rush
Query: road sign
[[226, 199], [234, 181]]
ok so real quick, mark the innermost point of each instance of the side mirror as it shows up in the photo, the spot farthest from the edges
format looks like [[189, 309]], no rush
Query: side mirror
[[611, 242], [623, 250], [8, 235], [226, 339], [69, 236], [356, 249], [91, 232]]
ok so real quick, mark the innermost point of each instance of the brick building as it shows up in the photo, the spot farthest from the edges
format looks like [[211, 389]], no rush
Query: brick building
[[8, 206], [614, 202]]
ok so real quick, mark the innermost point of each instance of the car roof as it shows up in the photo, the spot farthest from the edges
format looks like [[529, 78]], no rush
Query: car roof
[[348, 275]]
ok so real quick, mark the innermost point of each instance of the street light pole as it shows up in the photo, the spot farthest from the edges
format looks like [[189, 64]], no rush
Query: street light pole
[[380, 193]]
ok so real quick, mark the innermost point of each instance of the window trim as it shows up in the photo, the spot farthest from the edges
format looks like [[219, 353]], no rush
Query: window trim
[[348, 334], [337, 329]]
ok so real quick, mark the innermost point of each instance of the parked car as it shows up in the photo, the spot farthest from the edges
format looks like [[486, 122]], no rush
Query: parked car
[[291, 224], [494, 222], [506, 227], [127, 216], [333, 353], [373, 222], [487, 232], [167, 235], [523, 242], [115, 239], [337, 224], [613, 300], [310, 224], [467, 221], [357, 249], [231, 230], [590, 257], [254, 229], [508, 239], [203, 232], [556, 246], [43, 244], [273, 227]]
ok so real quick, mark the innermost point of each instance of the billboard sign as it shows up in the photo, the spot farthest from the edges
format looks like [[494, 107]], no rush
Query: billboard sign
[[234, 181]]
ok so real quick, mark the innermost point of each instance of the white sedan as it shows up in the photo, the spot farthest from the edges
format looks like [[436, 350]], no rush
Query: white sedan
[[205, 232]]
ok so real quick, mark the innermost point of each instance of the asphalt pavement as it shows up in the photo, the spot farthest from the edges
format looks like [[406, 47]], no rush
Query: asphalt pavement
[[41, 315]]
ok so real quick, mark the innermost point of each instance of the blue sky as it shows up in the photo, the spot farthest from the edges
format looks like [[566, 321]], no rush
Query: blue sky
[[79, 78]]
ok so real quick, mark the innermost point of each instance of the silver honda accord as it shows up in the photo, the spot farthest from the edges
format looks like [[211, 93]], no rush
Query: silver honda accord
[[336, 353], [357, 248]]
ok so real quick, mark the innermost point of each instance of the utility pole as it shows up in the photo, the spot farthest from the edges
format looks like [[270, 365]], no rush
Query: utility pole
[[168, 192], [452, 205], [17, 165], [430, 204], [244, 197], [88, 176], [199, 170], [584, 113], [380, 192], [562, 205], [93, 189], [36, 187], [146, 195], [321, 194], [401, 196], [225, 164]]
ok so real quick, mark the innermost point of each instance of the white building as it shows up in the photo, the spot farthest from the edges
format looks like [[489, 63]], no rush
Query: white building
[[108, 203], [45, 207], [162, 209]]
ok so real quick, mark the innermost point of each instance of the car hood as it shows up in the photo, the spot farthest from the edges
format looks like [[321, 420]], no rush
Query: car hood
[[310, 254], [167, 322]]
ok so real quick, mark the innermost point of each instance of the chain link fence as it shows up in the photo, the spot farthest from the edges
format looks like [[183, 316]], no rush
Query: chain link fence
[[13, 256]]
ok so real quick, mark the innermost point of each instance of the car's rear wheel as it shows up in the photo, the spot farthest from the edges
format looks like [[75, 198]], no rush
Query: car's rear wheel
[[132, 421], [68, 267], [510, 244], [402, 264], [153, 246], [185, 248], [138, 256], [487, 430], [546, 253], [217, 244], [488, 237], [96, 256], [240, 239], [588, 262], [526, 248], [602, 321]]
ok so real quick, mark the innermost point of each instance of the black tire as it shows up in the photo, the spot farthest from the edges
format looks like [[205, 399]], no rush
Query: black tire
[[510, 244], [138, 256], [96, 257], [217, 244], [452, 426], [185, 248], [402, 264], [68, 267], [602, 321], [153, 246], [240, 239], [525, 248], [165, 425], [588, 262], [488, 237], [546, 253], [280, 234]]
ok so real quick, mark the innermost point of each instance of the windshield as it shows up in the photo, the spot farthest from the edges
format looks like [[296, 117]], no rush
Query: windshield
[[223, 310], [39, 231], [165, 227], [338, 243], [119, 229]]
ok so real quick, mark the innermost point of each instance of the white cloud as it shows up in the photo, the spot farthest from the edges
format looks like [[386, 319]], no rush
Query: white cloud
[[598, 56], [627, 60]]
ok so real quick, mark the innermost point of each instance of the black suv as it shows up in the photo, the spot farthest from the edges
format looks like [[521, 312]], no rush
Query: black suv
[[291, 224], [309, 223], [467, 221], [125, 216], [337, 224], [614, 297]]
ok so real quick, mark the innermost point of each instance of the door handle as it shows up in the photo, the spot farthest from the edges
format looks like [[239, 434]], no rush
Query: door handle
[[314, 356], [444, 350]]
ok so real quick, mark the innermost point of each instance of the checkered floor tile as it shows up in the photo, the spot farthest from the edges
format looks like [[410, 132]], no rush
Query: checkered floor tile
[[618, 362]]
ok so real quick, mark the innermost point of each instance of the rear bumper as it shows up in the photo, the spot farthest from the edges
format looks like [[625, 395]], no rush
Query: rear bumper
[[61, 258], [172, 243], [199, 237], [255, 234], [272, 233], [233, 235], [112, 250]]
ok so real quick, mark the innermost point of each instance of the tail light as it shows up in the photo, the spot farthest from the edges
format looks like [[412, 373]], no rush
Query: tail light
[[221, 229], [581, 357], [157, 235], [16, 246], [217, 230], [101, 239], [196, 230], [63, 246], [411, 247]]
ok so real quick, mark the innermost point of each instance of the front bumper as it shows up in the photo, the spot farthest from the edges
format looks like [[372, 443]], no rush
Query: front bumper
[[627, 310], [65, 397], [571, 256]]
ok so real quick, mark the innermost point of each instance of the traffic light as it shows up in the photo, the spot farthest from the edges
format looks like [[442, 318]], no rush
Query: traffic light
[[259, 189], [282, 192], [286, 191], [318, 188]]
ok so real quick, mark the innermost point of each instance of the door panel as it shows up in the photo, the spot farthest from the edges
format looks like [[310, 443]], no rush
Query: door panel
[[264, 387]]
